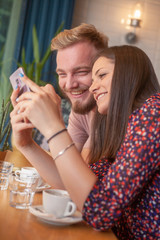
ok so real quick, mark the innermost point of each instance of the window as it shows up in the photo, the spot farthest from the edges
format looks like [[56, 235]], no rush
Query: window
[[9, 22], [5, 13]]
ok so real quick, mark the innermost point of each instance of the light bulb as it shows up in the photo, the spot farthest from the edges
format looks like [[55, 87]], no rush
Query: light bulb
[[137, 11]]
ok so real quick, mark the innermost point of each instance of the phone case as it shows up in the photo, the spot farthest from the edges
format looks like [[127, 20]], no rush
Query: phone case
[[16, 81]]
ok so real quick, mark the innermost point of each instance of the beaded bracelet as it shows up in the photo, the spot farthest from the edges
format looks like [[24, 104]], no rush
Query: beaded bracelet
[[54, 135], [63, 151]]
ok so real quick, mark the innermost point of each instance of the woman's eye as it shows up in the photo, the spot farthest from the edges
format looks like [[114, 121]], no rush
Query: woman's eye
[[102, 75]]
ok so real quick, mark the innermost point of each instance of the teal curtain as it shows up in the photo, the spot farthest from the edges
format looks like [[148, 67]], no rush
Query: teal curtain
[[47, 16]]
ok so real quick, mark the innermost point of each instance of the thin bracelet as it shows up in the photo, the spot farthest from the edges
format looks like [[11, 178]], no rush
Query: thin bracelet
[[54, 135], [63, 151]]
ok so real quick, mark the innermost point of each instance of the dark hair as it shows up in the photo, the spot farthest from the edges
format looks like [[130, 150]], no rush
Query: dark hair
[[134, 80]]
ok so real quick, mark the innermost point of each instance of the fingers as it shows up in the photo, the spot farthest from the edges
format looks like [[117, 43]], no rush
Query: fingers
[[17, 109], [17, 113], [34, 87], [37, 89], [14, 97], [49, 88], [19, 122]]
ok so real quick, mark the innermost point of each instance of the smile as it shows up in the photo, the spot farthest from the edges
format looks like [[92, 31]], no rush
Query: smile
[[76, 93], [100, 96]]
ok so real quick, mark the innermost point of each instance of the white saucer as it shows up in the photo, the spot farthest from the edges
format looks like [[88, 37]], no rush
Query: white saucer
[[42, 187], [39, 212]]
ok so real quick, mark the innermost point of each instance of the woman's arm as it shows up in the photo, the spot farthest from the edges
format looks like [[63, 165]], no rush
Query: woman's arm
[[40, 108], [40, 159], [76, 176]]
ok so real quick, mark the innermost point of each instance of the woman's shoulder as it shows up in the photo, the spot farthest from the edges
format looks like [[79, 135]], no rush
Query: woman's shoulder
[[153, 100], [148, 112], [150, 106]]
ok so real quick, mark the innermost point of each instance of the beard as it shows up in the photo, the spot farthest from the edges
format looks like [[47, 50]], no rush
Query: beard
[[80, 108], [84, 108]]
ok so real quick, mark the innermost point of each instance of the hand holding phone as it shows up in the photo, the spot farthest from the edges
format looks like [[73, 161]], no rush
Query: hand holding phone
[[16, 81]]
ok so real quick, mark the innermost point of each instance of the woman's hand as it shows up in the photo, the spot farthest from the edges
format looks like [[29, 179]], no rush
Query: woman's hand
[[14, 96], [41, 107], [21, 129]]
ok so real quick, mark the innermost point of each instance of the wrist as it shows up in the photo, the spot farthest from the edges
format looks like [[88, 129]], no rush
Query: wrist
[[26, 147], [54, 130], [56, 134]]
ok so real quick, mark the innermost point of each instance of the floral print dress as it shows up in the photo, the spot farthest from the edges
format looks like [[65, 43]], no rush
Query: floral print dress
[[126, 196]]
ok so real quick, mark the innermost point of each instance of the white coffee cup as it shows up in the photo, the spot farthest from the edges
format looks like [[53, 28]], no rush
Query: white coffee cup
[[58, 203], [30, 171]]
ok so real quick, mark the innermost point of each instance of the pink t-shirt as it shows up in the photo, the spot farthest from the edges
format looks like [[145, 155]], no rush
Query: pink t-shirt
[[79, 128]]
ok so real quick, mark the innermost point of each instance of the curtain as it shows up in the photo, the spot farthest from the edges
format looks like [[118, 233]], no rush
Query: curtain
[[47, 16], [10, 15]]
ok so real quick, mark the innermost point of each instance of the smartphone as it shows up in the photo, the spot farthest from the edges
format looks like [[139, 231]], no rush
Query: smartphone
[[16, 81]]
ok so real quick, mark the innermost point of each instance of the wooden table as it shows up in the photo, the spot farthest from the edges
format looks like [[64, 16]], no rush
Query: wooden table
[[16, 224]]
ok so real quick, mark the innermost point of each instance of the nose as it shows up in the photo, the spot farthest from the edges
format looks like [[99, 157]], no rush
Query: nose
[[70, 82], [93, 87]]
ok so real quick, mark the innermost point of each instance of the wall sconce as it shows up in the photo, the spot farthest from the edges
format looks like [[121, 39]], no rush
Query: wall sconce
[[134, 21]]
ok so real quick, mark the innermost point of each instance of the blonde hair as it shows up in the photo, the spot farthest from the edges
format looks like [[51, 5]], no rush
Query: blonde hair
[[84, 32]]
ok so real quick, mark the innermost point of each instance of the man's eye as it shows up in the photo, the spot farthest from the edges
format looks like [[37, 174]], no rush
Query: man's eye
[[61, 74], [82, 73]]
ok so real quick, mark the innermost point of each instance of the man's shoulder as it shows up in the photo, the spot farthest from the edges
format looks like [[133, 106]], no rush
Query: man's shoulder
[[79, 121], [82, 117]]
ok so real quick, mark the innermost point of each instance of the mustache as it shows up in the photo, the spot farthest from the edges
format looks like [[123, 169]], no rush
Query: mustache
[[75, 89]]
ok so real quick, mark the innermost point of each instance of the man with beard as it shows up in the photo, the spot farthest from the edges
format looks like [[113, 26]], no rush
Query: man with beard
[[76, 49]]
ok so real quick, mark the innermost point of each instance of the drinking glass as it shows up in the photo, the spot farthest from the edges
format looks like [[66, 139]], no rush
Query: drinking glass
[[5, 170], [22, 189]]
